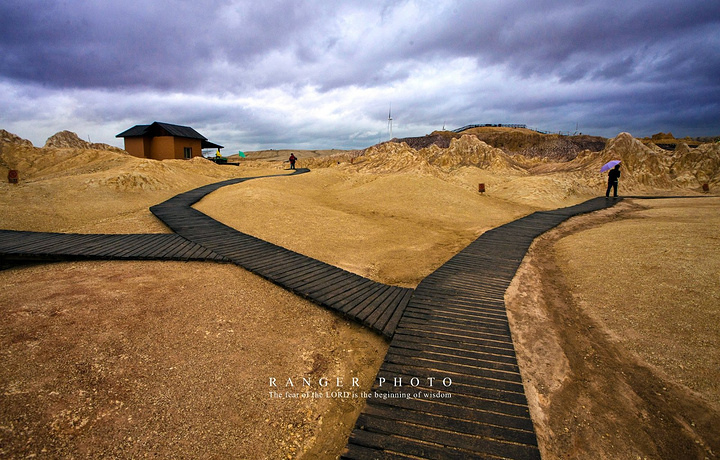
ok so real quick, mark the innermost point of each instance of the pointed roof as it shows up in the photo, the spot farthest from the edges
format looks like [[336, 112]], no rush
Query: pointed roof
[[167, 129]]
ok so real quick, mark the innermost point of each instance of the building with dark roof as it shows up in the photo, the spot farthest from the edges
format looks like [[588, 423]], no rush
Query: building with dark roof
[[165, 141]]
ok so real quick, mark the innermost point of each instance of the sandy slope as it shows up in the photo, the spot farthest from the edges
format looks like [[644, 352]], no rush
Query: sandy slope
[[615, 319]]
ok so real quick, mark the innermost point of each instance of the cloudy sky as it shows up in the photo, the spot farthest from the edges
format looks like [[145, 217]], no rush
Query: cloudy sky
[[324, 74]]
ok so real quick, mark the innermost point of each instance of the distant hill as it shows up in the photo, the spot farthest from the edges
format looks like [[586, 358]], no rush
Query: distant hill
[[668, 142], [516, 141], [284, 154]]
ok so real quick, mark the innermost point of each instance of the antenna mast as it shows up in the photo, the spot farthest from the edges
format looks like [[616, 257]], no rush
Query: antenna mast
[[390, 120]]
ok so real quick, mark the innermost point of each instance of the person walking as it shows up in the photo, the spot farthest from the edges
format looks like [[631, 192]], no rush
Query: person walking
[[292, 160], [613, 178]]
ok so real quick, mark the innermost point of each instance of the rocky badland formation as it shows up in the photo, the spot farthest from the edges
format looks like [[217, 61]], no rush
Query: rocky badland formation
[[644, 165], [96, 165]]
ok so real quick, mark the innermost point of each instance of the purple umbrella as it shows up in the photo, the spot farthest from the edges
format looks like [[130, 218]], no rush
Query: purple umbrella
[[609, 165]]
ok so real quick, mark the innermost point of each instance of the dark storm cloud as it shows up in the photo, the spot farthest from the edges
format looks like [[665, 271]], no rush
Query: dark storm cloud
[[86, 44], [330, 69], [575, 40], [175, 44], [161, 44]]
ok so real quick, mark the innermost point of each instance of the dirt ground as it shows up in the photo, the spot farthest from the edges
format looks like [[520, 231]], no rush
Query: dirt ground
[[100, 360], [615, 319]]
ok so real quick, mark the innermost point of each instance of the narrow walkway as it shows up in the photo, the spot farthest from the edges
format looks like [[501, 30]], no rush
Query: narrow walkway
[[52, 247], [375, 305], [455, 328], [451, 340], [200, 237]]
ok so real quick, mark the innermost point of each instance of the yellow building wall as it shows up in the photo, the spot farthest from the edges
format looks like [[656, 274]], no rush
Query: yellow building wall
[[162, 147], [135, 146], [181, 143]]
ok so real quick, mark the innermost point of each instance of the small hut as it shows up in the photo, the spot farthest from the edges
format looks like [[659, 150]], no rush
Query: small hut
[[165, 141]]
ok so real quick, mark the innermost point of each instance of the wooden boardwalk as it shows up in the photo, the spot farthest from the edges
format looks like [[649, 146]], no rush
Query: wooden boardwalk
[[375, 305], [199, 237], [455, 329], [449, 387], [48, 247]]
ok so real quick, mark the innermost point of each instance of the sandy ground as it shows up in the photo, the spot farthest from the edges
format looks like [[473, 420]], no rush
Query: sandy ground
[[100, 358], [112, 200], [615, 320], [394, 228]]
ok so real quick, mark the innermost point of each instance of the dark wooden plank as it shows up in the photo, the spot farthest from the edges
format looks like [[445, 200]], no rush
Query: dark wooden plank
[[397, 447], [458, 440], [474, 340], [106, 244], [39, 243], [337, 278], [132, 245], [459, 425], [461, 383], [184, 249], [350, 302], [267, 259], [148, 243], [487, 308], [300, 265], [45, 243], [368, 300], [197, 252], [227, 245], [174, 251], [502, 370], [162, 251], [26, 241], [442, 317], [343, 292], [448, 406], [248, 252], [357, 452], [385, 321], [501, 378], [487, 315], [408, 341], [378, 305], [345, 285], [486, 333], [390, 302], [276, 262], [325, 274], [470, 353], [318, 269]]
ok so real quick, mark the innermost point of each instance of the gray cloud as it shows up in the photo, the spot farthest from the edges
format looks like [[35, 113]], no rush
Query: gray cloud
[[286, 72]]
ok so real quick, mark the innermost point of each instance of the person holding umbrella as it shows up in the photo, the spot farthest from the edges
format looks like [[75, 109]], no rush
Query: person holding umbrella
[[613, 177]]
